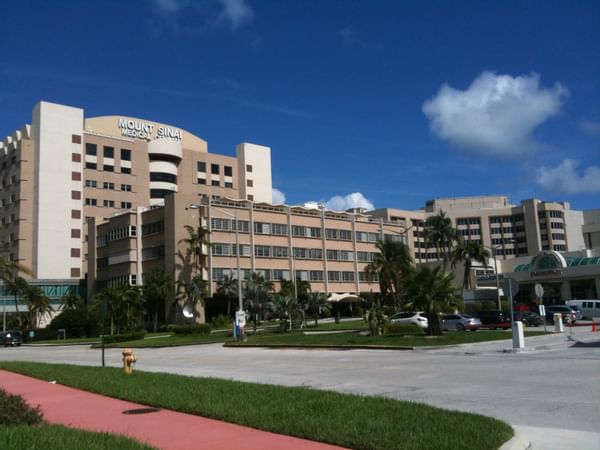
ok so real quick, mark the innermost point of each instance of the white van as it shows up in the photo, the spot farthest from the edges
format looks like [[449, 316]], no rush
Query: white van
[[589, 308]]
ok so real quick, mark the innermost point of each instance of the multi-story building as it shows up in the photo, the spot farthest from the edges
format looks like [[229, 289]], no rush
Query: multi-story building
[[328, 249], [65, 168]]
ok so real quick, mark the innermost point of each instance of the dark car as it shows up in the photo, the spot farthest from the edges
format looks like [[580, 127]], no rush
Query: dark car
[[567, 313], [11, 338], [529, 318], [493, 319]]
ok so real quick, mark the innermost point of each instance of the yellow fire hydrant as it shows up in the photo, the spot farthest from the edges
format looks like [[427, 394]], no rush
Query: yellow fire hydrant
[[128, 361]]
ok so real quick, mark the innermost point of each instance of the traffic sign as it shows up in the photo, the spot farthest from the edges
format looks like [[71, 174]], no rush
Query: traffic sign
[[510, 286], [240, 318], [539, 290]]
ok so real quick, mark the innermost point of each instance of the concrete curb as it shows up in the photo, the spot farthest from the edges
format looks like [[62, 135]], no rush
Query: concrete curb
[[518, 442]]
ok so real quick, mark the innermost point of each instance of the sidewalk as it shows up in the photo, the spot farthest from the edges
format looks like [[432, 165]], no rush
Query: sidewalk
[[163, 429]]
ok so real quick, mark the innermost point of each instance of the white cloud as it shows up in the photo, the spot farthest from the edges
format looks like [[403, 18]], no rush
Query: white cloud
[[565, 179], [278, 197], [495, 115], [590, 127], [354, 200], [236, 12]]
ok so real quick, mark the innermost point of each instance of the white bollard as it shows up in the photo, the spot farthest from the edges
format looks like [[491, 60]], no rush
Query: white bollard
[[558, 323], [518, 335]]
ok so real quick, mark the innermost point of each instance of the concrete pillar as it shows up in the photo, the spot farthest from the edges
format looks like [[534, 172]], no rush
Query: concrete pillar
[[565, 291]]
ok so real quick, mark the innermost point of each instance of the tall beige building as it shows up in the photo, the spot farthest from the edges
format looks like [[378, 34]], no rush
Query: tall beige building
[[65, 168]]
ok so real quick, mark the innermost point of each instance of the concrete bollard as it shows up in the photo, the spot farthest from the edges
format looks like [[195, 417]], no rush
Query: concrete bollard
[[518, 335], [558, 323]]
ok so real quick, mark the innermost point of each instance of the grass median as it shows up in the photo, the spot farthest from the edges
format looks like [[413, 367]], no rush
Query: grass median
[[352, 421]]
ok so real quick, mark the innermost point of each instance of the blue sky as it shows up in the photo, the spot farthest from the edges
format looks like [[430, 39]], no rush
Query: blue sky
[[393, 102]]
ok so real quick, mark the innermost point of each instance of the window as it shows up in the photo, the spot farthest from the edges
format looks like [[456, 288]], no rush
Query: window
[[279, 229], [75, 233], [90, 149], [126, 187], [90, 201], [76, 195], [333, 276], [250, 197], [214, 169], [262, 228], [126, 170], [108, 185], [126, 205], [75, 157], [159, 193], [108, 203], [125, 154], [75, 253], [76, 176], [201, 181], [75, 139], [228, 184], [316, 275], [91, 183], [249, 183], [89, 165], [280, 252], [75, 272], [109, 152], [298, 230], [201, 166], [215, 183], [153, 228], [314, 232], [75, 214], [108, 168], [262, 251], [228, 171], [248, 167]]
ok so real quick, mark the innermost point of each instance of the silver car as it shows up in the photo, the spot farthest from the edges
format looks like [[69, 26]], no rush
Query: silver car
[[410, 318], [460, 322]]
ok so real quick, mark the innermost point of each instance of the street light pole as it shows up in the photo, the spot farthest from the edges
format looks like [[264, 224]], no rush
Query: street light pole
[[497, 280]]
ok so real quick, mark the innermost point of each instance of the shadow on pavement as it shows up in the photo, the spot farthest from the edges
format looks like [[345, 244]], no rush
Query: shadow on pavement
[[586, 344]]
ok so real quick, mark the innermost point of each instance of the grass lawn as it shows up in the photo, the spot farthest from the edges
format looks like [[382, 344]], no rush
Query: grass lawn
[[352, 421], [415, 339], [28, 437], [171, 341]]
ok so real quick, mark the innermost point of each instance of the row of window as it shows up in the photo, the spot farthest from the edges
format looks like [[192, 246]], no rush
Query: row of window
[[6, 182], [304, 275], [107, 168], [107, 152], [468, 221], [215, 169], [116, 234], [507, 219], [217, 183], [107, 203], [107, 185], [555, 214], [153, 228]]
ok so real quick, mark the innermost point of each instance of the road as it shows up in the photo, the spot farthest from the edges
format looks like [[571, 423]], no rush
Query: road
[[550, 392]]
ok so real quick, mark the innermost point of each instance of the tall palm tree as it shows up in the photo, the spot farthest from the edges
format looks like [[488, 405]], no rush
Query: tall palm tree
[[442, 235], [38, 304], [198, 237], [70, 302], [432, 291], [287, 309], [192, 292], [467, 252], [316, 303], [157, 289], [256, 293], [393, 264], [228, 287], [9, 275]]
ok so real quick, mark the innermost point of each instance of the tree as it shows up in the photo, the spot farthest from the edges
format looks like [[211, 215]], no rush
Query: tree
[[316, 303], [392, 264], [228, 287], [440, 233], [432, 291], [198, 237], [38, 304], [158, 287], [9, 275], [124, 305], [256, 293], [288, 310], [70, 302], [467, 252]]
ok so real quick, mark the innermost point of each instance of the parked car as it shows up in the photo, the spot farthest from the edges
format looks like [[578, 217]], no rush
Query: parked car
[[529, 318], [410, 318], [11, 338], [588, 308], [493, 319], [460, 322], [567, 313]]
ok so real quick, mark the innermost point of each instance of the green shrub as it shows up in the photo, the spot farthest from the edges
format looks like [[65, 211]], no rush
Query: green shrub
[[402, 329], [14, 410], [40, 334], [198, 328], [220, 321], [79, 322], [124, 337]]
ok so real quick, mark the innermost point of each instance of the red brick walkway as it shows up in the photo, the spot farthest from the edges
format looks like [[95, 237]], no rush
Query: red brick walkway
[[164, 429]]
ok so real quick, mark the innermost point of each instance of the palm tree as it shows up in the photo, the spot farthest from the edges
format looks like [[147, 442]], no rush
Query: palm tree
[[124, 305], [38, 304], [467, 252], [192, 293], [440, 233], [70, 302], [287, 309], [228, 287], [198, 237], [256, 293], [158, 287], [393, 264], [317, 301], [9, 275], [432, 291]]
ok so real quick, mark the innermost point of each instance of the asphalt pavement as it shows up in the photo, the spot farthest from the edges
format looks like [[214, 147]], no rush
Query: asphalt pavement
[[549, 392]]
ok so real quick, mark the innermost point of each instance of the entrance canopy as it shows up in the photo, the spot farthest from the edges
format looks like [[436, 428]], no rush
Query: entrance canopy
[[343, 298]]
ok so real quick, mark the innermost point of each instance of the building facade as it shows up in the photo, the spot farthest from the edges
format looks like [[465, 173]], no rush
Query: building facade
[[65, 168]]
